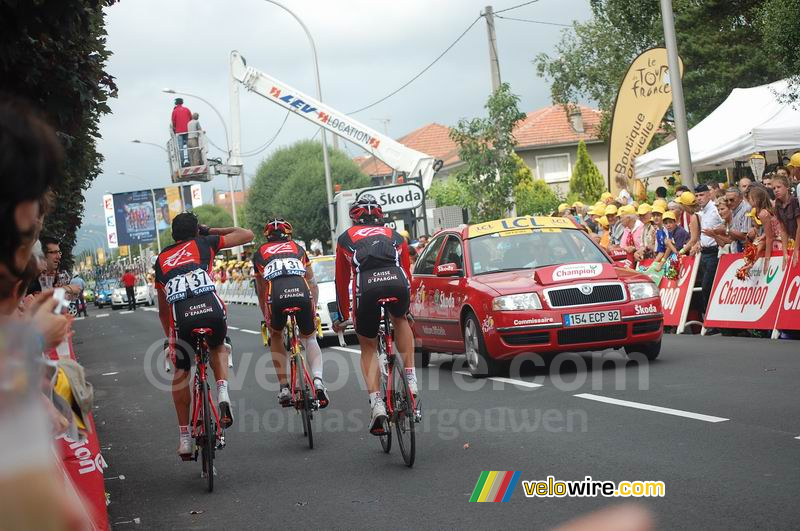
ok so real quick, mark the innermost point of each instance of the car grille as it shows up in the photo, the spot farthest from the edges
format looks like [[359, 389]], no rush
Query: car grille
[[572, 296], [646, 327], [532, 338], [592, 334]]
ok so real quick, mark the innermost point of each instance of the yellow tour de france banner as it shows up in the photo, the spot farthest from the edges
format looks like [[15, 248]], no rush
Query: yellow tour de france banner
[[643, 98]]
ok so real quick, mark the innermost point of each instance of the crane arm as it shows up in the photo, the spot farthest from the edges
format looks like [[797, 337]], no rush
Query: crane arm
[[393, 153]]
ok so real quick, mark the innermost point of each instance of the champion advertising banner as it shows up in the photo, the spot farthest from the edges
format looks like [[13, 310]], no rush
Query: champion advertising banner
[[789, 310], [676, 294], [644, 96], [751, 303]]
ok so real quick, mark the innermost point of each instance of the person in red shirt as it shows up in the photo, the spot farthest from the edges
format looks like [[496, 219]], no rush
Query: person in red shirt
[[129, 281], [376, 259], [180, 126]]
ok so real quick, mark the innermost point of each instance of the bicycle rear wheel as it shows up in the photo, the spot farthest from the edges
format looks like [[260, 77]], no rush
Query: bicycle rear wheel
[[403, 415], [307, 415], [386, 440], [209, 443]]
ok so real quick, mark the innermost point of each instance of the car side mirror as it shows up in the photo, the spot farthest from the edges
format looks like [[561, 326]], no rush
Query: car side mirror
[[450, 269]]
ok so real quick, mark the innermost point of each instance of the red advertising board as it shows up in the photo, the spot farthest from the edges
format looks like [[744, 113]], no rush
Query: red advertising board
[[752, 303], [676, 293], [789, 308]]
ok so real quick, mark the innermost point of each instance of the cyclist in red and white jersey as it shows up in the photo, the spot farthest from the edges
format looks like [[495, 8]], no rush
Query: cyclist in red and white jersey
[[284, 279], [187, 299], [373, 261]]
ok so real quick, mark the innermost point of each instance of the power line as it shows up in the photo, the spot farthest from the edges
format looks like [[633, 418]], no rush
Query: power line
[[517, 6], [269, 142], [535, 21], [421, 72]]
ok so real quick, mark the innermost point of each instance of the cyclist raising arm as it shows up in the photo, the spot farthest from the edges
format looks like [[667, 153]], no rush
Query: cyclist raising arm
[[376, 259], [186, 300], [284, 279]]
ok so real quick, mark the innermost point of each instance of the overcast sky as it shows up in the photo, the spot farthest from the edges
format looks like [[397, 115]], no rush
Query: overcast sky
[[367, 48]]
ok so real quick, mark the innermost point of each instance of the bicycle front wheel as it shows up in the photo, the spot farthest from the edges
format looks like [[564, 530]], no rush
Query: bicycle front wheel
[[209, 432], [307, 417], [386, 440], [403, 414]]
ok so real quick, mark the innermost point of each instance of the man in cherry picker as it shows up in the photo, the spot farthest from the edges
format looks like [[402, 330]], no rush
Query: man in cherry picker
[[285, 279], [180, 126], [376, 259]]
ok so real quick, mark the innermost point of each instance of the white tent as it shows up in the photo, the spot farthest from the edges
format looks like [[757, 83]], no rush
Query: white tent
[[748, 121]]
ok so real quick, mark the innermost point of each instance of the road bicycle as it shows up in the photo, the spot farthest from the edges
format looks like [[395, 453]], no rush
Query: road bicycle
[[401, 406], [207, 434], [302, 390]]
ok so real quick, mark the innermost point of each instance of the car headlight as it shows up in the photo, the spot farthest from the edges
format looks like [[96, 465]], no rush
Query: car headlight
[[520, 301], [642, 290]]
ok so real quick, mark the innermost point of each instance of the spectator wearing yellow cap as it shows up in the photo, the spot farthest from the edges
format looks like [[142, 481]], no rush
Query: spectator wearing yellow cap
[[673, 239], [602, 222], [606, 198], [648, 248], [614, 226], [631, 239], [686, 215], [564, 210]]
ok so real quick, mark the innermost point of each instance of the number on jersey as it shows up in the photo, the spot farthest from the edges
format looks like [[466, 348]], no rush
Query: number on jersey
[[283, 266]]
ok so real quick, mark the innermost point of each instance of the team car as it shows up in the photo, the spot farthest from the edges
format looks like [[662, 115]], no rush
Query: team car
[[525, 285], [324, 271]]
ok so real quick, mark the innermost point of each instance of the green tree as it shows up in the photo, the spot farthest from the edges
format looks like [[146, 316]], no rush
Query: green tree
[[211, 215], [291, 184], [53, 53], [532, 196], [586, 183], [783, 46], [450, 192], [486, 146], [719, 41]]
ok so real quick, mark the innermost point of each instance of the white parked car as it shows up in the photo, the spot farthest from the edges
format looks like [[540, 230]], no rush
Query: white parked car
[[145, 296], [324, 270]]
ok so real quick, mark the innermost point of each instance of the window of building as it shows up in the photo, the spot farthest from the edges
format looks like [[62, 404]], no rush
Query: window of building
[[554, 168]]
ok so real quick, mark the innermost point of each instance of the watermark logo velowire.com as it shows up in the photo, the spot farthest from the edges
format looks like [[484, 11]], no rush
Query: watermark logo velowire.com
[[494, 486]]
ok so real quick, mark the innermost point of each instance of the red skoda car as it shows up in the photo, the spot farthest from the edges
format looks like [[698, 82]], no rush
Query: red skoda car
[[528, 285]]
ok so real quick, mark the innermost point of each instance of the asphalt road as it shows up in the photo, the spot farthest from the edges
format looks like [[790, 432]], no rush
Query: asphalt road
[[727, 449]]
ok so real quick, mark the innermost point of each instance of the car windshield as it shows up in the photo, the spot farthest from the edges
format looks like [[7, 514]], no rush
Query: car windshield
[[324, 270], [108, 284], [529, 248]]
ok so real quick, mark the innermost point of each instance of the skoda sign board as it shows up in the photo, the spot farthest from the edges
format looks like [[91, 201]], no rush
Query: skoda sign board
[[397, 197]]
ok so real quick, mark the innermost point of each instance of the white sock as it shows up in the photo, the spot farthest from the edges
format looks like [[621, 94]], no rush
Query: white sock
[[222, 390], [375, 398], [314, 354], [184, 431], [411, 374]]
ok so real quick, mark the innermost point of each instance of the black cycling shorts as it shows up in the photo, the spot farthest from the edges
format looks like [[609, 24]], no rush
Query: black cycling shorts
[[291, 291], [372, 286], [203, 311]]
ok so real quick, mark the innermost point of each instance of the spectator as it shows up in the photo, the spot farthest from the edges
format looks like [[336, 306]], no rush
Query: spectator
[[194, 129], [180, 126], [129, 281], [740, 223], [604, 235], [624, 196], [606, 198], [675, 240], [80, 285], [680, 189], [716, 191], [661, 193], [744, 184], [422, 243], [685, 213], [631, 238], [615, 229], [787, 210], [709, 250], [722, 235], [767, 180], [762, 234], [648, 247], [30, 163]]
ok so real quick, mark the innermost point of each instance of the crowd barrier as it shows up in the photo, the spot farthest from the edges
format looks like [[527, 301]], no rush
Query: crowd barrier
[[237, 292], [82, 461]]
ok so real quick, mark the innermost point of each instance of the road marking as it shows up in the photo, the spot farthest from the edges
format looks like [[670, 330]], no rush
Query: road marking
[[101, 315], [657, 409], [151, 309], [345, 349], [521, 383], [110, 373], [80, 318], [126, 312], [798, 437], [249, 331], [232, 327]]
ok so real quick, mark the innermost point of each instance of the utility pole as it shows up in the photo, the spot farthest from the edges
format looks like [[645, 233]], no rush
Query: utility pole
[[494, 63], [678, 107]]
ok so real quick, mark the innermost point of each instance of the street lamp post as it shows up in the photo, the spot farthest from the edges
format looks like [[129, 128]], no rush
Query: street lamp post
[[155, 208], [325, 160]]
